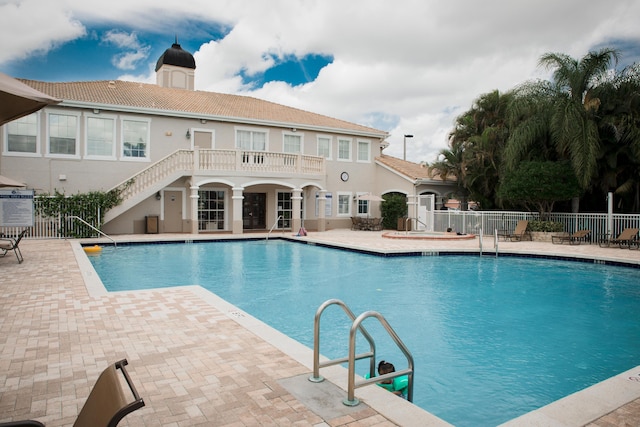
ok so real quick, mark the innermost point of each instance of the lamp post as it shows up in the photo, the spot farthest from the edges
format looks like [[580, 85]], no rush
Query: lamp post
[[404, 157]]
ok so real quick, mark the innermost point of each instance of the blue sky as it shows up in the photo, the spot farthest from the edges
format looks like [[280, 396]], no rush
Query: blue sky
[[406, 67]]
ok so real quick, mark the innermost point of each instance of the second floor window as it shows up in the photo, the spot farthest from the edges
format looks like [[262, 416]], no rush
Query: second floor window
[[63, 134], [251, 140], [292, 143], [324, 147], [135, 135], [363, 151], [22, 135], [344, 149], [100, 137]]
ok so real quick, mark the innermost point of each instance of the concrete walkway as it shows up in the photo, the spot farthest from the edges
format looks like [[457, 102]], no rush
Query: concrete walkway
[[198, 361]]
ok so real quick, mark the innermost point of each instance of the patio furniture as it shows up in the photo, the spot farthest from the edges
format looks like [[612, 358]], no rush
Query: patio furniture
[[376, 224], [573, 239], [9, 244], [107, 403], [355, 223], [624, 239], [520, 232]]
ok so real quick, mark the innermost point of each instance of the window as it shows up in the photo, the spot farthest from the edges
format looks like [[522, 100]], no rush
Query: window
[[324, 147], [211, 209], [135, 139], [63, 135], [363, 207], [344, 149], [285, 210], [22, 135], [251, 140], [344, 204], [292, 143], [100, 141], [364, 151]]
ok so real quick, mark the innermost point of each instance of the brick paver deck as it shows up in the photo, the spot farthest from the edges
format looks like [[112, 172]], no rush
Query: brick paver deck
[[193, 364]]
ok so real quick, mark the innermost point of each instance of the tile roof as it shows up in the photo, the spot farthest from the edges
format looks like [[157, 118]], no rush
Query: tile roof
[[415, 171], [123, 94]]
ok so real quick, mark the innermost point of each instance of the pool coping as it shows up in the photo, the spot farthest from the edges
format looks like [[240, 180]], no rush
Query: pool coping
[[577, 409]]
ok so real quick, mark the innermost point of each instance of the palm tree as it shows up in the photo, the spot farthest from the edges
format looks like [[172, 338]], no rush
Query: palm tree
[[476, 146], [569, 109]]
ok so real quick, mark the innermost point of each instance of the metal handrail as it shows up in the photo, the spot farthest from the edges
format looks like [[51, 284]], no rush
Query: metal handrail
[[352, 385], [93, 228], [316, 378], [406, 230], [495, 240], [274, 226]]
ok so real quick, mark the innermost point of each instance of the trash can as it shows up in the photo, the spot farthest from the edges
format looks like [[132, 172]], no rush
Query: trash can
[[402, 223], [151, 224]]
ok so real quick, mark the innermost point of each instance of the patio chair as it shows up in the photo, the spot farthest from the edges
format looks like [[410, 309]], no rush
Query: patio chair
[[624, 239], [106, 405], [573, 239], [376, 224], [520, 232], [8, 244], [355, 223]]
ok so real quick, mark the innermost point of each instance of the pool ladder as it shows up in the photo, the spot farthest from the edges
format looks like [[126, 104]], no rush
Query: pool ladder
[[352, 357]]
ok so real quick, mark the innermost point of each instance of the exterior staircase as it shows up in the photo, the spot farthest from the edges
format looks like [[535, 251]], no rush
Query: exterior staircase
[[208, 162]]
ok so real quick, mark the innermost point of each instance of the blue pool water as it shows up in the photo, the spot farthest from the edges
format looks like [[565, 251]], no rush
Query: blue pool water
[[491, 338]]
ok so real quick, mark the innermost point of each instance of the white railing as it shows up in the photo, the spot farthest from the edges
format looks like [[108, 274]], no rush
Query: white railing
[[202, 161], [489, 221]]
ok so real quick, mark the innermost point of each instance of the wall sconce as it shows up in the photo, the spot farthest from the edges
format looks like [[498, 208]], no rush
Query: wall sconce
[[188, 135], [158, 196]]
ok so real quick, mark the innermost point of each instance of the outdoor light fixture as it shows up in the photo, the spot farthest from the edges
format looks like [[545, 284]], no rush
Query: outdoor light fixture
[[203, 121], [188, 135], [404, 157], [158, 196]]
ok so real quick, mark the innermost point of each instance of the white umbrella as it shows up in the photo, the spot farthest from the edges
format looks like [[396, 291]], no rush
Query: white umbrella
[[18, 99], [370, 197], [8, 182]]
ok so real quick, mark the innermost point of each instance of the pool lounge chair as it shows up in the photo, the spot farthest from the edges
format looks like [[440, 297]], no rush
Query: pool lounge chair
[[520, 233], [8, 244], [624, 239], [573, 239], [107, 403]]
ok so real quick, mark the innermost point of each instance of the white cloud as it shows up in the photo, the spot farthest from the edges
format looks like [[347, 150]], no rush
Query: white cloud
[[134, 51], [408, 66]]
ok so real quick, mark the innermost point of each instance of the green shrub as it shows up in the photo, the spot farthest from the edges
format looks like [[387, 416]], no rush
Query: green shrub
[[547, 226]]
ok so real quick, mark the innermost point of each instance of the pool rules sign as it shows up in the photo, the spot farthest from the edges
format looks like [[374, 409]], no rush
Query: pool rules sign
[[16, 208]]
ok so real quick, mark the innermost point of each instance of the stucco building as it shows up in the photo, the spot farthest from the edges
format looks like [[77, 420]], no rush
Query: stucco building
[[202, 161]]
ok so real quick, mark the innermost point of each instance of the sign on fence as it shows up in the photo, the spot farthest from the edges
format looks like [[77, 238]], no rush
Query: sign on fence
[[16, 208]]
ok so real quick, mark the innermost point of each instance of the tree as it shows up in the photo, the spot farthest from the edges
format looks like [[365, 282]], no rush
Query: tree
[[619, 163], [393, 207], [538, 185], [564, 110], [475, 152]]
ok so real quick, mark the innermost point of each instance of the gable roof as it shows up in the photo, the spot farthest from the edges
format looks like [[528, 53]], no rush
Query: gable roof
[[154, 99], [416, 172]]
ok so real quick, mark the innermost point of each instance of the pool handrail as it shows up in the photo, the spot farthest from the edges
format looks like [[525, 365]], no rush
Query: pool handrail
[[352, 385], [316, 377], [274, 226], [93, 228]]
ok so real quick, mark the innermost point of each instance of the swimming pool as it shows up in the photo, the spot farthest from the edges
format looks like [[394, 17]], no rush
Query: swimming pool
[[492, 338]]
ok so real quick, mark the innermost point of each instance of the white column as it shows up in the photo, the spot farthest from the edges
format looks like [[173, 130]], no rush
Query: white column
[[322, 199], [296, 198], [193, 197], [238, 197]]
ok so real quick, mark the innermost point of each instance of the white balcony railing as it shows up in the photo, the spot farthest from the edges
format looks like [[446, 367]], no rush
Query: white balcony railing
[[201, 161]]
